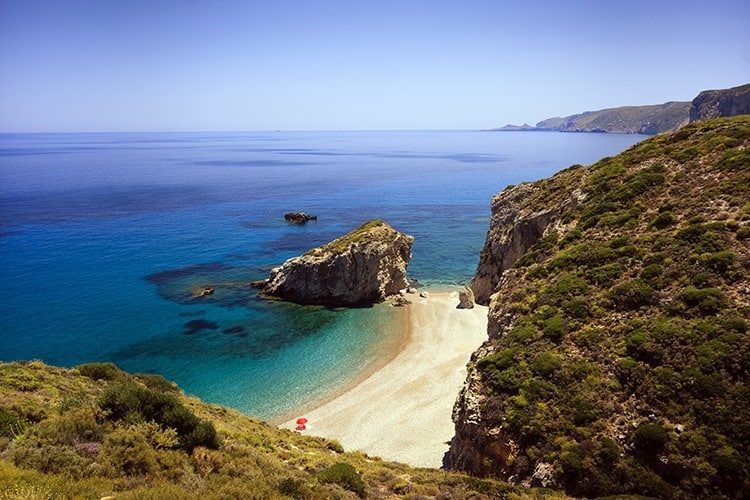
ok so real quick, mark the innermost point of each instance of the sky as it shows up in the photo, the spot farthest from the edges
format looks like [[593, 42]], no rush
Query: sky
[[231, 65]]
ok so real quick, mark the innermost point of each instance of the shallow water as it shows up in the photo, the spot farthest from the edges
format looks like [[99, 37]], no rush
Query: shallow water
[[104, 238]]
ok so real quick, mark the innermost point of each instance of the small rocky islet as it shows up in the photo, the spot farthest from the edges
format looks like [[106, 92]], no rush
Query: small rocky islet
[[364, 267]]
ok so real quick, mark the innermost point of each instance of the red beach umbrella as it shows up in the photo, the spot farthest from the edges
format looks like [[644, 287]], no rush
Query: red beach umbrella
[[301, 421]]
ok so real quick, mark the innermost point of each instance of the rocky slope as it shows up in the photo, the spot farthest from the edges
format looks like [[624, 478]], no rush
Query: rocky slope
[[363, 267], [718, 103], [618, 358]]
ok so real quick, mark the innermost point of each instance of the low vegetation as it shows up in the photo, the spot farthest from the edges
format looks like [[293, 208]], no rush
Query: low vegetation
[[362, 234], [96, 431], [627, 362]]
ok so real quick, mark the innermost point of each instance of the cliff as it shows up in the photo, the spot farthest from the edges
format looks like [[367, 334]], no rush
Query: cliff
[[718, 103], [619, 302], [363, 267]]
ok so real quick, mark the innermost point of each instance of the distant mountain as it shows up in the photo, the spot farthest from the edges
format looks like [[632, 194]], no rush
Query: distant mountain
[[649, 120]]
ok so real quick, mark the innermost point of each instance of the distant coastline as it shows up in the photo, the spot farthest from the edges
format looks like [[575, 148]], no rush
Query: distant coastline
[[646, 120]]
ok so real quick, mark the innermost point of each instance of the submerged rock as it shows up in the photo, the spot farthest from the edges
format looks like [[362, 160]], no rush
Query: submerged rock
[[364, 267]]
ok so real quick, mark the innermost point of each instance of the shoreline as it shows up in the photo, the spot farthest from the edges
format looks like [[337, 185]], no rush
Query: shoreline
[[395, 345], [402, 410]]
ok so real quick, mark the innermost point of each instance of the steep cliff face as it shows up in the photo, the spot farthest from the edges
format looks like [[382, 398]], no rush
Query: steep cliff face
[[363, 267], [521, 216], [619, 319], [718, 103]]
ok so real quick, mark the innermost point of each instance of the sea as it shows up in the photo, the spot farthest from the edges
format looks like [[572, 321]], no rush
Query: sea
[[105, 238]]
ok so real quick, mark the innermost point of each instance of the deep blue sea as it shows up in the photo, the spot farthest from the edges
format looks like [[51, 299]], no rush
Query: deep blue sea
[[105, 237]]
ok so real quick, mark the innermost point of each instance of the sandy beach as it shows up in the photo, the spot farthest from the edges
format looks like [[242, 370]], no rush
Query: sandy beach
[[402, 412]]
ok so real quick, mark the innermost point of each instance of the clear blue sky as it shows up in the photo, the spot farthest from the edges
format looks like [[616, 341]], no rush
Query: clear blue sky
[[98, 65]]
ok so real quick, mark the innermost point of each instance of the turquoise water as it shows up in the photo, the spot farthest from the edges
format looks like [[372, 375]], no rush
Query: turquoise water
[[104, 237]]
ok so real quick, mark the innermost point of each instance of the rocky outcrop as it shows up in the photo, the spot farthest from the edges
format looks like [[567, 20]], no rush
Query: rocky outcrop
[[299, 217], [466, 298], [718, 103], [363, 267], [515, 226]]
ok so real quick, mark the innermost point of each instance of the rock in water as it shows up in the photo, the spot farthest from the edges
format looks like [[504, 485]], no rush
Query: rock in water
[[299, 217], [363, 267], [466, 298]]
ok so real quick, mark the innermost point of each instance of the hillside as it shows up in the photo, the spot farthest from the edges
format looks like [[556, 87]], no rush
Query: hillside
[[95, 431], [649, 120], [619, 352]]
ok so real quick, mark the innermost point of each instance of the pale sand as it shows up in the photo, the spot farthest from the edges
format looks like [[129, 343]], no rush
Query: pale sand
[[402, 412]]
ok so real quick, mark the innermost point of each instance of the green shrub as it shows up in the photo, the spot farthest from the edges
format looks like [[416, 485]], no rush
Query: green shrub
[[554, 327], [505, 381], [636, 185], [720, 262], [569, 283], [701, 279], [584, 412], [546, 363], [736, 324], [728, 461], [537, 389], [632, 294], [157, 382], [500, 360], [10, 424], [572, 462], [706, 300], [50, 459], [604, 275], [345, 476], [293, 488], [651, 271], [133, 403], [126, 452], [573, 235], [577, 308], [650, 438], [743, 233], [734, 160], [101, 371], [664, 220]]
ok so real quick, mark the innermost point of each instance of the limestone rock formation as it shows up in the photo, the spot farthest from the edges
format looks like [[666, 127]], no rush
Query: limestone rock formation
[[465, 298], [515, 226], [718, 103], [363, 267]]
